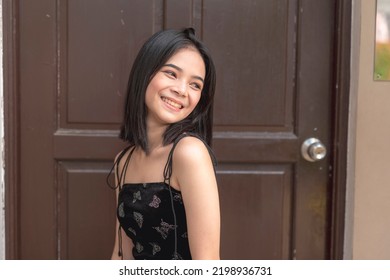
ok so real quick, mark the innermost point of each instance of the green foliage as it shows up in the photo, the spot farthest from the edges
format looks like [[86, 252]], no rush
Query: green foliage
[[382, 62]]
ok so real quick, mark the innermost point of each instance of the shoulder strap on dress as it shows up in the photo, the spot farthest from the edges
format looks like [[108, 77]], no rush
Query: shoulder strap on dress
[[120, 177], [168, 165], [167, 179]]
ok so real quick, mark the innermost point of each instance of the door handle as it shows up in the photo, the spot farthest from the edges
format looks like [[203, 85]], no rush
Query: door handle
[[312, 150]]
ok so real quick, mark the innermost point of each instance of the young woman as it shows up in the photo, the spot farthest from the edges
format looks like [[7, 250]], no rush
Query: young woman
[[168, 205]]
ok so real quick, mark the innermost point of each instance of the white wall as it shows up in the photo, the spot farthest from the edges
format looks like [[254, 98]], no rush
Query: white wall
[[2, 224], [371, 225]]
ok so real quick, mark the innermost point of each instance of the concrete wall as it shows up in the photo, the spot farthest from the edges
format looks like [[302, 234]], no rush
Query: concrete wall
[[371, 199]]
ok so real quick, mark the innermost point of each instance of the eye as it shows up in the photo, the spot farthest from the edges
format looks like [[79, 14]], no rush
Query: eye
[[170, 73], [196, 86]]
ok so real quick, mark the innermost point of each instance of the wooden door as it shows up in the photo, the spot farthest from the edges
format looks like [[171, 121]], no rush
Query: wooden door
[[274, 60]]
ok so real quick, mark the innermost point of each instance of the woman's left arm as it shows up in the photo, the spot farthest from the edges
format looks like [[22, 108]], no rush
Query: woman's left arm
[[193, 169]]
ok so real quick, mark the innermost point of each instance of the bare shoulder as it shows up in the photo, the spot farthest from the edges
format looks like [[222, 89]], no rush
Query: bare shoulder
[[117, 161], [117, 156], [122, 154], [191, 149]]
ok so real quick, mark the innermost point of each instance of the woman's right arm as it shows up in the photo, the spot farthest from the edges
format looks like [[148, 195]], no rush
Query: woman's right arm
[[127, 243]]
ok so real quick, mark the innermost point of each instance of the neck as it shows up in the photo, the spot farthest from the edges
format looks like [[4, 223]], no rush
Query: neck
[[155, 136]]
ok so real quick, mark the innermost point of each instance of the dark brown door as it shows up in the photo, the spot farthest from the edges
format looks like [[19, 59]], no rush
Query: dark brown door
[[274, 60]]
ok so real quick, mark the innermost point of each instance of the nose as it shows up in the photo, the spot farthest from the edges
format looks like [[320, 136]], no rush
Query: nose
[[180, 88]]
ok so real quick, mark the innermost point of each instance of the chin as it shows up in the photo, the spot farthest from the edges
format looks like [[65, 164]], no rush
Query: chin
[[175, 119]]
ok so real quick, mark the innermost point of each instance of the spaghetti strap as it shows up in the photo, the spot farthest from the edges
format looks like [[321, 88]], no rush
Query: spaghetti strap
[[120, 177], [170, 204], [168, 166], [167, 179]]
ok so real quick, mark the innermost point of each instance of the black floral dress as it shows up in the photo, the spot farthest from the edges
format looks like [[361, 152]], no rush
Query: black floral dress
[[153, 214]]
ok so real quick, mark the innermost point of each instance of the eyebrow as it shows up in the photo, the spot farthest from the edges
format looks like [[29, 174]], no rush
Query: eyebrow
[[181, 70]]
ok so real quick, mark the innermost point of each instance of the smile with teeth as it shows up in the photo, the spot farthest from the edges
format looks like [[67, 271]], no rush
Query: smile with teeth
[[171, 102]]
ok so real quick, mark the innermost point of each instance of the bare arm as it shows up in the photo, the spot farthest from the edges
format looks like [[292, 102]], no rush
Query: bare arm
[[194, 171], [127, 244]]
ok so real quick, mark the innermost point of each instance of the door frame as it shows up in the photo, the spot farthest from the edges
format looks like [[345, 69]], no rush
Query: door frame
[[11, 129], [340, 102]]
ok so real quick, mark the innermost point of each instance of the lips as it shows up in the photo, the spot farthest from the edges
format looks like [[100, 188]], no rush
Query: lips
[[172, 102]]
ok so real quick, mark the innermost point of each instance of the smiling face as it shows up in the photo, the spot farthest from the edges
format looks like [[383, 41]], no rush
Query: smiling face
[[175, 89]]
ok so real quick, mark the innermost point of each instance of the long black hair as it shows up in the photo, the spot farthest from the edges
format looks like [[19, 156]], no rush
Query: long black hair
[[155, 52]]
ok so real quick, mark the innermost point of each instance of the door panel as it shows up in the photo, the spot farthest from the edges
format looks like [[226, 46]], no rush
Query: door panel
[[256, 204], [98, 42], [78, 203], [255, 85], [273, 92]]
